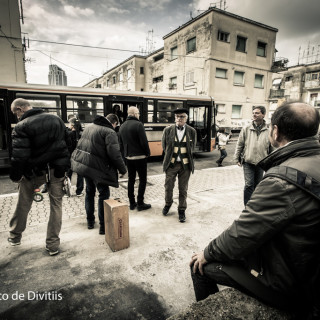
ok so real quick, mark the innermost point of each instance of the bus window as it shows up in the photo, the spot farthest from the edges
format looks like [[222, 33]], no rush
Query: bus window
[[49, 103], [198, 119], [85, 108], [165, 110], [150, 110]]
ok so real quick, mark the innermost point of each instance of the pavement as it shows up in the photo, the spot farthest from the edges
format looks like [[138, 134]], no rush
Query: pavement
[[87, 280]]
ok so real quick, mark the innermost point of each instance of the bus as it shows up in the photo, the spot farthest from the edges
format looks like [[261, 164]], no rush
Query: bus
[[156, 111]]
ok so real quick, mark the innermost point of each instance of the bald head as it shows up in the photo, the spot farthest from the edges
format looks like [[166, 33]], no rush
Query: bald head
[[296, 120], [133, 112], [20, 106]]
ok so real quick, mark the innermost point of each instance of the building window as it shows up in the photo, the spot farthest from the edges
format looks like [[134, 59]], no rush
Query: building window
[[190, 77], [236, 111], [174, 53], [141, 70], [158, 57], [241, 44], [258, 81], [289, 78], [173, 83], [120, 76], [223, 36], [114, 79], [261, 49], [238, 78], [191, 45], [108, 83], [157, 79], [221, 73], [221, 108], [129, 73]]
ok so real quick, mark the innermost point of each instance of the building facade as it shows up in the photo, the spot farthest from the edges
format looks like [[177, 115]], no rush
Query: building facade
[[12, 68], [56, 76], [217, 53], [301, 82]]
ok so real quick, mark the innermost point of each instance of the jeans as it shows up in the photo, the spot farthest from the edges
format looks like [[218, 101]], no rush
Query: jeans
[[104, 194], [135, 166], [223, 154], [25, 199], [252, 176], [80, 184]]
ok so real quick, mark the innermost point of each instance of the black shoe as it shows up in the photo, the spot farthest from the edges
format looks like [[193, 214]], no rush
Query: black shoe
[[90, 225], [44, 189], [182, 216], [133, 205], [143, 206], [220, 165], [101, 230], [165, 210]]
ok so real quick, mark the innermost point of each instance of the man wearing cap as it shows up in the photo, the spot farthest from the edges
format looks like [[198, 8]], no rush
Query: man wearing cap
[[178, 141]]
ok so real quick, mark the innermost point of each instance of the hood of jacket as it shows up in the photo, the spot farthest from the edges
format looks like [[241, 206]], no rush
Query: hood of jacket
[[102, 121]]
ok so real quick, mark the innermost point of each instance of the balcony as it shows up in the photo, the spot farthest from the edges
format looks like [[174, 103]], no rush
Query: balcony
[[279, 64], [276, 94]]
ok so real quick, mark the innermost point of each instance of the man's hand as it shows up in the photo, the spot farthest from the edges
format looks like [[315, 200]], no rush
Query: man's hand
[[198, 261], [239, 164]]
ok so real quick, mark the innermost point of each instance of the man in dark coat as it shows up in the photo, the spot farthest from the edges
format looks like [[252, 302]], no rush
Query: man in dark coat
[[97, 157], [272, 250], [178, 142], [39, 155], [136, 150]]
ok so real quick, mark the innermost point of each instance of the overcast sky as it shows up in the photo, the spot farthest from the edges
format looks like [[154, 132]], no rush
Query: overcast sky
[[125, 25]]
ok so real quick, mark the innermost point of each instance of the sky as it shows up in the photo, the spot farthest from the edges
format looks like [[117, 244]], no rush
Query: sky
[[88, 37]]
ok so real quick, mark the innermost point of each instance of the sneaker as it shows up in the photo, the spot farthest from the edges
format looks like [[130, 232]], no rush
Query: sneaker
[[143, 206], [165, 210], [182, 216], [133, 205], [80, 194], [52, 252], [14, 242]]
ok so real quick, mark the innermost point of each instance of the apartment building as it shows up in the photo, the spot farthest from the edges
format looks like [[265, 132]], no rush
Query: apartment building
[[301, 82], [57, 76], [217, 53], [12, 56]]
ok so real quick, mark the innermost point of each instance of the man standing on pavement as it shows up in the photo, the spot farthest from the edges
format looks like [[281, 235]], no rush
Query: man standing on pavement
[[272, 250], [178, 142], [253, 145], [97, 157], [39, 155], [136, 150]]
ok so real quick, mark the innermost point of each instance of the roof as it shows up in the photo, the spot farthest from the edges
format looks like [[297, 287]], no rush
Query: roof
[[221, 12]]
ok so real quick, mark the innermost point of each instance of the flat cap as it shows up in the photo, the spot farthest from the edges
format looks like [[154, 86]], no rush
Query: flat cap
[[181, 110]]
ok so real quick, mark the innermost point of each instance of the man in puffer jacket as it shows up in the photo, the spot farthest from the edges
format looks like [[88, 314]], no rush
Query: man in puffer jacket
[[98, 158], [39, 151], [272, 250]]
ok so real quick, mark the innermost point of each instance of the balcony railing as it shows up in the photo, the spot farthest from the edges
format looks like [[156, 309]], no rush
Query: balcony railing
[[276, 93]]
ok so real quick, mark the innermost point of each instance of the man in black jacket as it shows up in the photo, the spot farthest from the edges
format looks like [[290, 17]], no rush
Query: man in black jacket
[[39, 155], [97, 157], [136, 150], [272, 250]]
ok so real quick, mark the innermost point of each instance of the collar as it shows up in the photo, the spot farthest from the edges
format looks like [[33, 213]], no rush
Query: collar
[[180, 128]]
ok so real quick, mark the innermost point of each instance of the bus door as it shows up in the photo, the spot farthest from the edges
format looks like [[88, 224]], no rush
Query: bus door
[[6, 118], [119, 105], [200, 120]]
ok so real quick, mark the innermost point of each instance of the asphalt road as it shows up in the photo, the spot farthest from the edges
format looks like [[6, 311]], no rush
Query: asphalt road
[[202, 161]]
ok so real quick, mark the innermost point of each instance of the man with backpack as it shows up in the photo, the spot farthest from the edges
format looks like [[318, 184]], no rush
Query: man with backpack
[[272, 251]]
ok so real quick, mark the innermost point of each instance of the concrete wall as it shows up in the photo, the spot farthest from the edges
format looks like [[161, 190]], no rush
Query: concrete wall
[[11, 53]]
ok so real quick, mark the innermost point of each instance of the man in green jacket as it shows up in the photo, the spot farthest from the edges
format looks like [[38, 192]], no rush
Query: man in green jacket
[[253, 145], [272, 250]]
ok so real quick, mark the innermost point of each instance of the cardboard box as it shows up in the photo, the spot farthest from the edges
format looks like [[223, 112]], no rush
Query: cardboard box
[[116, 220]]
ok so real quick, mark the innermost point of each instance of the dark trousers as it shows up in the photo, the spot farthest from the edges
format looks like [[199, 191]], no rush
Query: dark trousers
[[252, 176], [223, 154], [218, 273], [80, 181], [104, 194], [137, 166], [183, 181]]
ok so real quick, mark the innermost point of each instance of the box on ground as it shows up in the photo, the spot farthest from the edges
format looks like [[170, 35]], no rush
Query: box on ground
[[116, 220]]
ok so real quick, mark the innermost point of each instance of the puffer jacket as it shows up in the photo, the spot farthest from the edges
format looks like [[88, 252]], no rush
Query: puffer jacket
[[278, 233], [39, 139], [97, 155], [168, 137], [251, 146]]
